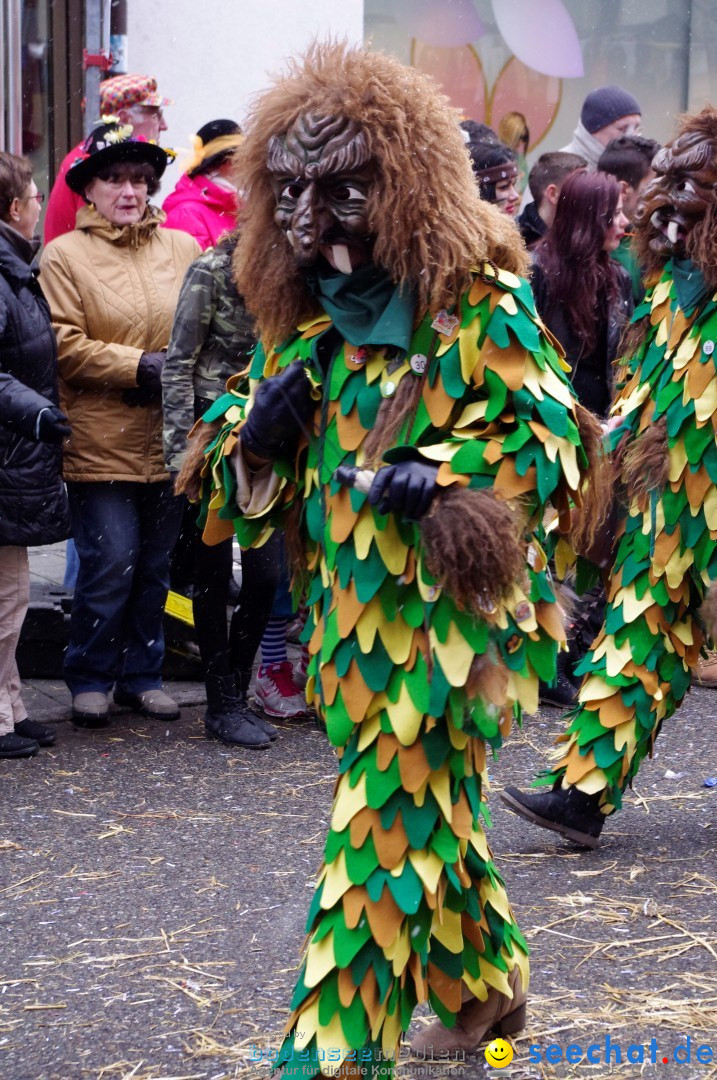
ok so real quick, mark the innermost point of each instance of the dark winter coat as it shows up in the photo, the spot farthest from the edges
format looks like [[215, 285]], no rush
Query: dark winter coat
[[531, 225], [33, 502], [591, 367]]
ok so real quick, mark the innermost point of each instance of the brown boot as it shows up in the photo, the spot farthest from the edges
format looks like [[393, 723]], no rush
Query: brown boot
[[498, 1015]]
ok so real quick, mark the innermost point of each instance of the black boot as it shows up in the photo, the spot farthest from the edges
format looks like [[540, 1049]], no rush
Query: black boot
[[12, 746], [30, 729], [563, 694], [227, 719], [567, 811], [243, 682]]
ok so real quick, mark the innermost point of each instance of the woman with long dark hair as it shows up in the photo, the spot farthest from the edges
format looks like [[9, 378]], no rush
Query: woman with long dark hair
[[584, 296]]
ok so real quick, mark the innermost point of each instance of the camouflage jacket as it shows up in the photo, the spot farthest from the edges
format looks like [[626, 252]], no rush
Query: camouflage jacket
[[212, 338]]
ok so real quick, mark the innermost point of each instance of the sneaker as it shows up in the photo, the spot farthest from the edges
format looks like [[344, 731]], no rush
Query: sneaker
[[301, 675], [277, 694], [152, 703], [30, 729], [91, 709]]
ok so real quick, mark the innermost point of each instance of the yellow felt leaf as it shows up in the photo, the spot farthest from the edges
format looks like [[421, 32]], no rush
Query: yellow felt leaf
[[455, 655], [509, 279], [319, 959], [524, 690], [706, 403], [336, 881], [688, 348], [349, 801], [363, 533], [308, 1025], [397, 637], [615, 658], [660, 293], [331, 1038], [555, 386], [569, 462], [592, 782], [439, 451], [367, 625], [399, 952], [709, 506], [448, 930], [391, 547], [677, 566], [507, 302], [632, 608], [532, 378], [496, 896], [440, 784], [428, 866], [468, 348], [405, 718], [471, 413], [595, 689], [625, 737]]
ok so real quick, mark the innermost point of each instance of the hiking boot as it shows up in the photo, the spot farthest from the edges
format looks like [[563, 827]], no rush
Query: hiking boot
[[567, 811], [476, 1021], [91, 709], [152, 703], [277, 694], [705, 673], [29, 729], [13, 745], [228, 719]]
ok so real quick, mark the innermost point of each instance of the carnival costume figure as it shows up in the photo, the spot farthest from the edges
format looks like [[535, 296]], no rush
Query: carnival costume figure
[[397, 339], [638, 669]]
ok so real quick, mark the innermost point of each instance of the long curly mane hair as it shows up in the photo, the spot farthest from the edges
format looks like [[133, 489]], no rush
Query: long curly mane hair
[[429, 222]]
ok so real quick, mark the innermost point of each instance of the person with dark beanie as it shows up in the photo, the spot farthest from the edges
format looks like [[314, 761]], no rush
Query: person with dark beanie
[[607, 113], [205, 201], [629, 160]]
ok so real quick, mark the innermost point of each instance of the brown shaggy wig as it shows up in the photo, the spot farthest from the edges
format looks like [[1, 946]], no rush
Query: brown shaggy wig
[[429, 222], [701, 244]]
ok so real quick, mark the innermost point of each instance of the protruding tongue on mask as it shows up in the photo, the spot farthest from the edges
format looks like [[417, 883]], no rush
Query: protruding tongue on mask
[[342, 259], [673, 230]]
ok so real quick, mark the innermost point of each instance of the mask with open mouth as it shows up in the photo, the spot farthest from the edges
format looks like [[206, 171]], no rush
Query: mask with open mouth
[[682, 193], [321, 175]]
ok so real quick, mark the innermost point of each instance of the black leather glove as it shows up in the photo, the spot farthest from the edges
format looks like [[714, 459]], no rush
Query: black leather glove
[[149, 380], [52, 425], [282, 406], [406, 488]]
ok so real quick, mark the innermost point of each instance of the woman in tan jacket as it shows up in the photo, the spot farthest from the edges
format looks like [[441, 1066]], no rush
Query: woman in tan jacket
[[113, 285]]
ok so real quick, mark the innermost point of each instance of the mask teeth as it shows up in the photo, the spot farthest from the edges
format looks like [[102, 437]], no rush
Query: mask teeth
[[672, 231], [342, 259]]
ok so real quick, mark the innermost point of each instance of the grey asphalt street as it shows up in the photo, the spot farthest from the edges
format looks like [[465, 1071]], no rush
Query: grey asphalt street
[[154, 886]]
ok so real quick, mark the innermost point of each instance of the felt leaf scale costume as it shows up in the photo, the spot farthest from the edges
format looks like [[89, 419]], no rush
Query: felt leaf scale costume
[[409, 904], [638, 669]]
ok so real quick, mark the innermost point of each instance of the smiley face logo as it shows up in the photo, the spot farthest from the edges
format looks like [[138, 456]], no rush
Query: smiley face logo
[[499, 1053]]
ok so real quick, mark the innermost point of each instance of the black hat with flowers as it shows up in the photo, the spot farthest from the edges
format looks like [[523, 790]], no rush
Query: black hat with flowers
[[109, 144]]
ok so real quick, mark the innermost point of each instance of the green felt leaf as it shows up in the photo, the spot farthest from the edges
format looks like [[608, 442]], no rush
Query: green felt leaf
[[407, 889]]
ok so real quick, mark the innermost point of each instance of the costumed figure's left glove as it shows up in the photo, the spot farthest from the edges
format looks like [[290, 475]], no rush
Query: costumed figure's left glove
[[282, 406], [406, 488]]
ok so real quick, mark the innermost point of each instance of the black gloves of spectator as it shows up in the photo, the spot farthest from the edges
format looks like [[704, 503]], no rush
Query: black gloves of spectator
[[282, 406], [149, 380], [406, 488], [52, 425]]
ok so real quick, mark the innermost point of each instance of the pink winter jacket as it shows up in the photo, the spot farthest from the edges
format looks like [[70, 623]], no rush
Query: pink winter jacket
[[201, 208]]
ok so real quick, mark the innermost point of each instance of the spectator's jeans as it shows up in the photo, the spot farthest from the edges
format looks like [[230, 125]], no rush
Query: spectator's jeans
[[14, 598], [124, 533]]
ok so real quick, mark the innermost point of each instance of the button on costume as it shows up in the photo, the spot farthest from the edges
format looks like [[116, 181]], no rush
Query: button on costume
[[396, 337], [638, 669]]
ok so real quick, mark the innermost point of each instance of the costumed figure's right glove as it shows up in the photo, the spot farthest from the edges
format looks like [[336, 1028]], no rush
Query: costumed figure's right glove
[[52, 425], [149, 380], [282, 407], [406, 488]]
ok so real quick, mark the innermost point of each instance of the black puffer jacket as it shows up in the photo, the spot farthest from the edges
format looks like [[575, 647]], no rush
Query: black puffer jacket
[[33, 502]]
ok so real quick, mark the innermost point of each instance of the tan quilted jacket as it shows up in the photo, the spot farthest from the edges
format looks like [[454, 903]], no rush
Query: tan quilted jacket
[[112, 291]]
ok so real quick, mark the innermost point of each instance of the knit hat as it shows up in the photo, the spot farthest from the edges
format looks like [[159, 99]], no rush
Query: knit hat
[[124, 91], [606, 105], [108, 144]]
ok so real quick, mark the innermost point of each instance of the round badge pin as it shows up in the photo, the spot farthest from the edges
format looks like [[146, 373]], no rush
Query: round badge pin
[[708, 348], [388, 389], [418, 363]]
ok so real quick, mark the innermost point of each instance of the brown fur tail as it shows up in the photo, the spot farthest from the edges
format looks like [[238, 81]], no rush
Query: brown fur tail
[[473, 547], [646, 464], [189, 477], [592, 517]]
